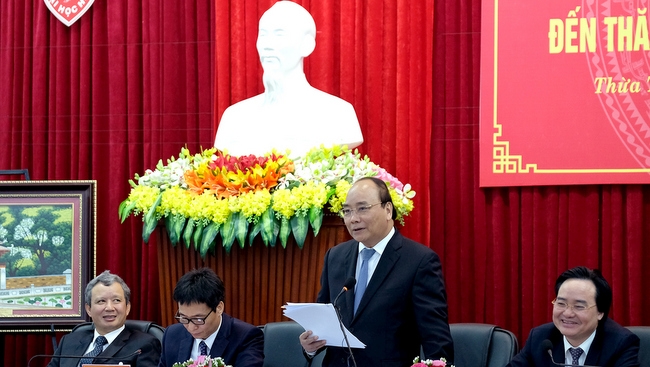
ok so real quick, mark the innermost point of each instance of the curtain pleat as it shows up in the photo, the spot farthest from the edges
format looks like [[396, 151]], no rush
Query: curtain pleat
[[126, 85]]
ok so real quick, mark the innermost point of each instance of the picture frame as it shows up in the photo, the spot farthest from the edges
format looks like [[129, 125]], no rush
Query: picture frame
[[47, 253]]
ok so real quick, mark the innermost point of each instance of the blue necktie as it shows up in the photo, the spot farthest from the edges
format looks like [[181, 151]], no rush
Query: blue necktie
[[366, 254], [575, 353], [203, 348], [99, 347]]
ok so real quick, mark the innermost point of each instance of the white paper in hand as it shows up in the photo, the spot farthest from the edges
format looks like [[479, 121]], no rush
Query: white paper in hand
[[322, 320]]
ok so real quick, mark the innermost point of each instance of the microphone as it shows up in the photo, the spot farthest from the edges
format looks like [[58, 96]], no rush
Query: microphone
[[349, 283], [548, 347], [137, 352]]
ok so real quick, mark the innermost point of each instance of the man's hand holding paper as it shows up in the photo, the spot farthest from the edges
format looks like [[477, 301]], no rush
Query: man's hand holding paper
[[321, 319]]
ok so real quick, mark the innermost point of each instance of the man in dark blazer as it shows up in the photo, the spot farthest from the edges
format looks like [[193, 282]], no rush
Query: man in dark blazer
[[107, 302], [580, 309], [204, 328], [404, 305]]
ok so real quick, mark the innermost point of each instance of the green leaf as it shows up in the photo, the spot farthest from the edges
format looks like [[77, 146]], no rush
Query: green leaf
[[228, 233], [175, 225], [300, 226], [125, 209], [316, 219], [269, 234], [150, 220], [208, 239], [168, 226], [120, 209], [241, 228], [187, 234], [285, 231], [255, 230], [276, 232], [198, 232]]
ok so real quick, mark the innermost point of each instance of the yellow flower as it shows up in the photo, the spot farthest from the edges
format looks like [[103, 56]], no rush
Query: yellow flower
[[175, 201], [284, 203], [310, 195], [207, 207], [403, 205], [340, 194], [143, 197]]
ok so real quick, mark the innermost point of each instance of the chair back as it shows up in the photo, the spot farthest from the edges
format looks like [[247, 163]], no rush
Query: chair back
[[282, 347], [643, 332], [482, 345], [139, 325]]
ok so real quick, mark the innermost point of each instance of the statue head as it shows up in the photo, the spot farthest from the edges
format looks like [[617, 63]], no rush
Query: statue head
[[286, 35]]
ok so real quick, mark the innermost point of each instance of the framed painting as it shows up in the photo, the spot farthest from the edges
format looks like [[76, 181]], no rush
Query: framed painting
[[47, 253]]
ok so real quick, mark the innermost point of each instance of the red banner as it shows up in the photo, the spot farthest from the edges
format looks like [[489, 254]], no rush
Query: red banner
[[565, 93]]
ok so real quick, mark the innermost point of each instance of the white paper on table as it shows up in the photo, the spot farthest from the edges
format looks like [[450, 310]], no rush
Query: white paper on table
[[322, 320]]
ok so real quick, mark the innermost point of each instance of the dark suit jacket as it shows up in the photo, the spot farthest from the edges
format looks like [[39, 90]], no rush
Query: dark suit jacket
[[239, 344], [613, 346], [126, 343], [405, 305]]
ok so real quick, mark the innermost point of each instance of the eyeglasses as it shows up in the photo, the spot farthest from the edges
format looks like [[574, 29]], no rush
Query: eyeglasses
[[348, 212], [193, 320], [561, 305]]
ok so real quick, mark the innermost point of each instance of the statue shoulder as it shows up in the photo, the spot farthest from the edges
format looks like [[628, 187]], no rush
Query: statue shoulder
[[318, 94], [245, 106]]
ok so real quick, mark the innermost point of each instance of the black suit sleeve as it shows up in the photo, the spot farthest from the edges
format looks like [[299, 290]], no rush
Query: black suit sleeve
[[251, 349], [430, 308]]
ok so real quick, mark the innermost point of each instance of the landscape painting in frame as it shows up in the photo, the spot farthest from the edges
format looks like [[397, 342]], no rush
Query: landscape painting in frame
[[47, 247]]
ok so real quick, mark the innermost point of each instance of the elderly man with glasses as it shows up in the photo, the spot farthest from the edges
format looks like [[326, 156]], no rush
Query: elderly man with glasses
[[204, 329], [399, 302], [581, 334]]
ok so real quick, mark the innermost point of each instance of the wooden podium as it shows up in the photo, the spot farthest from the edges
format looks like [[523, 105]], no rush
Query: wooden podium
[[258, 279]]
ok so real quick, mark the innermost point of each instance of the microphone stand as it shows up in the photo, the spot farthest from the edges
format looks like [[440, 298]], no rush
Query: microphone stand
[[349, 283], [345, 336], [550, 353]]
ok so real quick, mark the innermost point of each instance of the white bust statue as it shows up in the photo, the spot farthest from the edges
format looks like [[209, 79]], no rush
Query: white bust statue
[[290, 114]]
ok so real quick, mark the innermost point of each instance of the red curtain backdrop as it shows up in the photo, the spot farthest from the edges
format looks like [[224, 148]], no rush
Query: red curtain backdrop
[[133, 82], [128, 84]]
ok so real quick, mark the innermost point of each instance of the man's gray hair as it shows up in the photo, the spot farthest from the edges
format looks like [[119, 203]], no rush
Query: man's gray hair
[[107, 279]]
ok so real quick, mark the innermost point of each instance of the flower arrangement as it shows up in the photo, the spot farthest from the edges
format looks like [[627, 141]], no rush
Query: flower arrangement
[[202, 195], [202, 361], [430, 363]]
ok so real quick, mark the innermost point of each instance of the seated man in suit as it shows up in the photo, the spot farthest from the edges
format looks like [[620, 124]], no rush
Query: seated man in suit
[[399, 302], [290, 114], [205, 329], [581, 333], [107, 301]]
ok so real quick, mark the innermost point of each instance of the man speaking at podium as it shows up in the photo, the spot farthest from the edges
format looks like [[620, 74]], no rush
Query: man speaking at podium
[[581, 334], [399, 302], [107, 300]]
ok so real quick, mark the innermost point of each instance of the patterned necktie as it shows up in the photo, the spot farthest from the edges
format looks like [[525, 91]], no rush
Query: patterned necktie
[[99, 347], [366, 254], [203, 348], [575, 353]]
